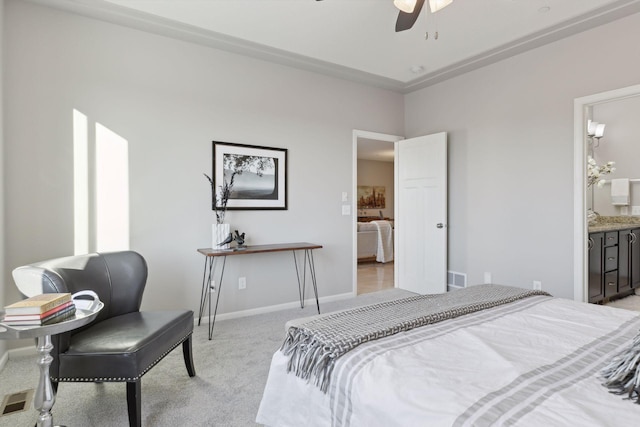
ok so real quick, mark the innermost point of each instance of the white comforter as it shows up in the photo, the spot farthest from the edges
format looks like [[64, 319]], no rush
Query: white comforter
[[533, 362]]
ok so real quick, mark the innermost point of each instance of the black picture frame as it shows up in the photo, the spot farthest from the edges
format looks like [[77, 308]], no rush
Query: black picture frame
[[259, 175]]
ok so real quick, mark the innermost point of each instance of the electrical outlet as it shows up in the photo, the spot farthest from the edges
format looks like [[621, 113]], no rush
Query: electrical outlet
[[487, 277], [242, 283], [624, 210], [537, 285], [345, 197], [635, 210]]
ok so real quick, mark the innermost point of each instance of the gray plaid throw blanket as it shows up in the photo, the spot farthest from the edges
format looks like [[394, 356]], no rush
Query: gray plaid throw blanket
[[314, 346]]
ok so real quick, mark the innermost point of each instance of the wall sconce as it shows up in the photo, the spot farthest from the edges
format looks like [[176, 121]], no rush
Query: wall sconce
[[595, 131]]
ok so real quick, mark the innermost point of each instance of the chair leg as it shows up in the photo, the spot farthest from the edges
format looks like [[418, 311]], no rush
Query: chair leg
[[188, 356], [134, 405]]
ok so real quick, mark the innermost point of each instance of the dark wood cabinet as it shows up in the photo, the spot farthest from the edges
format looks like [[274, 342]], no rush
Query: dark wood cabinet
[[596, 267], [635, 258], [614, 263], [625, 239]]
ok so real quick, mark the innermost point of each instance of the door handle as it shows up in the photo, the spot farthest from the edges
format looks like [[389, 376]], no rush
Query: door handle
[[440, 225]]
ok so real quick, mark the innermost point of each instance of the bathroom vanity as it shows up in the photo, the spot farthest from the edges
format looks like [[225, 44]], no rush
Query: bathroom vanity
[[614, 258]]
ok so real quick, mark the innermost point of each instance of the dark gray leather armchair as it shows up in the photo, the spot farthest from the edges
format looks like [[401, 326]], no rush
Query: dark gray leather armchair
[[123, 343]]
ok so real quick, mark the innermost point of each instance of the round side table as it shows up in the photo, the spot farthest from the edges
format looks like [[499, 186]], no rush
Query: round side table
[[44, 396]]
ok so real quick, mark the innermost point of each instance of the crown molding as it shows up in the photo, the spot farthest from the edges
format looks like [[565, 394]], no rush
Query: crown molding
[[597, 17], [116, 14]]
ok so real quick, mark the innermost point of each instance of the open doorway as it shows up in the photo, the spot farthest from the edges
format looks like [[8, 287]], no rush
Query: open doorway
[[583, 111], [374, 204]]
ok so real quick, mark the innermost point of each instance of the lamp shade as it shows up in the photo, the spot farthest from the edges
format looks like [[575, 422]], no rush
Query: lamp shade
[[436, 5], [406, 6], [599, 133], [591, 127]]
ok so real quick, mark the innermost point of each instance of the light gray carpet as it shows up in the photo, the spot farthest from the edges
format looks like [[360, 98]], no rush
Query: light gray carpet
[[231, 374]]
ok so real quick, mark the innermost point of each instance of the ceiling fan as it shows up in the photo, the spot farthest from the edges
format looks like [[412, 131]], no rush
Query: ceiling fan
[[410, 10]]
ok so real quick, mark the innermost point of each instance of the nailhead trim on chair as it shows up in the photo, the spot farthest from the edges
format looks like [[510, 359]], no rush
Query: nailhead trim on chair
[[80, 380]]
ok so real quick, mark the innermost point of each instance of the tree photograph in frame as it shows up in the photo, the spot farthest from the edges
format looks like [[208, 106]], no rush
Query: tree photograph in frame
[[257, 175]]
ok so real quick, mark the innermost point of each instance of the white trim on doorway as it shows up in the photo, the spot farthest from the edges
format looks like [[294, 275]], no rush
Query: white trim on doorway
[[354, 191], [581, 108]]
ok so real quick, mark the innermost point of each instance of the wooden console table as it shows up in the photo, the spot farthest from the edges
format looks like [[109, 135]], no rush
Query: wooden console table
[[211, 255]]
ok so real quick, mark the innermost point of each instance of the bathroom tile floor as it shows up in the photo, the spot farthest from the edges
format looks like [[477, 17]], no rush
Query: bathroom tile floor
[[631, 302]]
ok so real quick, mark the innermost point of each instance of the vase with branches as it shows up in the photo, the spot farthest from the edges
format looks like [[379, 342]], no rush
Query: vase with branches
[[220, 199]]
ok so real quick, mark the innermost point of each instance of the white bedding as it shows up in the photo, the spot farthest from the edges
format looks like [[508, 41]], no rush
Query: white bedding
[[533, 362]]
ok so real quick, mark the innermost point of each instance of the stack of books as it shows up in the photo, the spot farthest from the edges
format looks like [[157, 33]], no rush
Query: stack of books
[[39, 310]]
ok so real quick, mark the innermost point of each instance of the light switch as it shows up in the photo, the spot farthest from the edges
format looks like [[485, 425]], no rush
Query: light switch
[[346, 210], [344, 196]]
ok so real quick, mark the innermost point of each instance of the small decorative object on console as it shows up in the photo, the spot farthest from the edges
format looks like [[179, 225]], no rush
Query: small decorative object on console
[[226, 241], [239, 238]]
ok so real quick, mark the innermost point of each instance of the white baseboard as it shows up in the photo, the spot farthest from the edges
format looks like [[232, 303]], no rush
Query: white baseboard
[[16, 352], [279, 307], [3, 360]]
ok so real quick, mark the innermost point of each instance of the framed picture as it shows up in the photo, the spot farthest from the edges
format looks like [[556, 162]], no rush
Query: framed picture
[[371, 197], [259, 175]]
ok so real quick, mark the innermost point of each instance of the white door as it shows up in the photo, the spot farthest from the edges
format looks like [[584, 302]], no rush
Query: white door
[[421, 214]]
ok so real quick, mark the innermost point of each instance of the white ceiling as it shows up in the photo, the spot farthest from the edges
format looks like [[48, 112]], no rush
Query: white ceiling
[[373, 149], [355, 39]]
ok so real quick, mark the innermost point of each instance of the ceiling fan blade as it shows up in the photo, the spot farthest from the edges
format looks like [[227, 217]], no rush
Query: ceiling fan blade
[[406, 20]]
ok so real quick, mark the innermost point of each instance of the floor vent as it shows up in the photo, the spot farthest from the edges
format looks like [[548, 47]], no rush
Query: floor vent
[[16, 402], [456, 280]]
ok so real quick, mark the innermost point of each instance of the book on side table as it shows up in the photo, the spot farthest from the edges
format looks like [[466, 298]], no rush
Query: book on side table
[[40, 310]]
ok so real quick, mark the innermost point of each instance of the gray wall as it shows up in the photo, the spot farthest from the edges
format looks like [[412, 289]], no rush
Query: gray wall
[[2, 183], [621, 143], [170, 99], [376, 173], [510, 130], [510, 150]]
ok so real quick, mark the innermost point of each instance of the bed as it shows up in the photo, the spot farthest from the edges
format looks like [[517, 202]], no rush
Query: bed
[[534, 361], [375, 241]]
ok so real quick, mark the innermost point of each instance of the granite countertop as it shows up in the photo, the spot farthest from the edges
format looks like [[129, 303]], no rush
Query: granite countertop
[[613, 223]]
